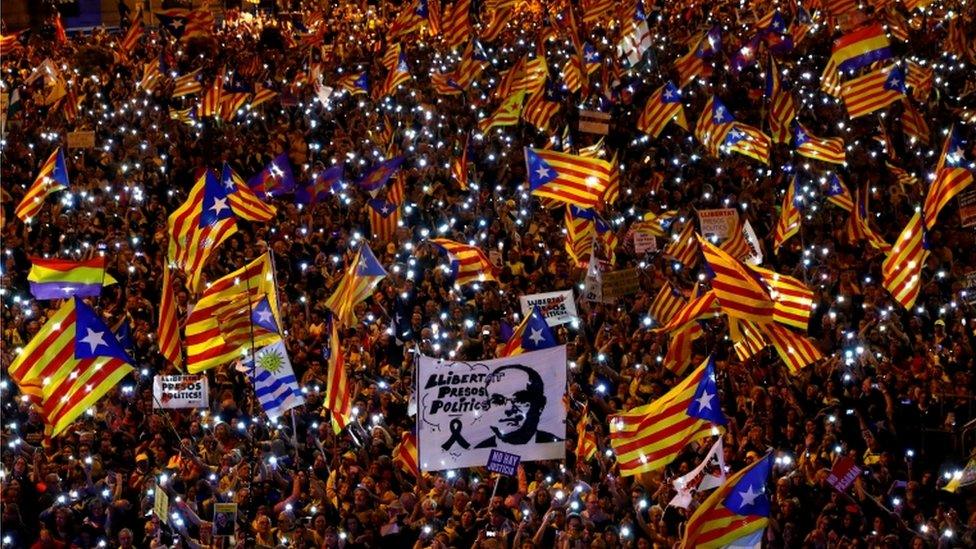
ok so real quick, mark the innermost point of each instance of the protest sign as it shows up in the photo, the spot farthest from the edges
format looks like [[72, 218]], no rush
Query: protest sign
[[720, 223], [644, 242], [225, 519], [172, 392], [617, 284], [468, 409], [161, 503], [594, 122], [503, 463], [81, 140], [967, 208], [556, 307], [843, 474]]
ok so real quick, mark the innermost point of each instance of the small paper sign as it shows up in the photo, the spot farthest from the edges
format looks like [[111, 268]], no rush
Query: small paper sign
[[503, 463]]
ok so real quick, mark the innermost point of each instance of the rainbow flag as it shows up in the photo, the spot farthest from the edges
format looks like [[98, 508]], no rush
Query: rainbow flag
[[62, 278]]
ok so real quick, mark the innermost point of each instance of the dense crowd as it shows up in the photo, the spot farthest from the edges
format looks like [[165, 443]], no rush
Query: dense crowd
[[894, 391]]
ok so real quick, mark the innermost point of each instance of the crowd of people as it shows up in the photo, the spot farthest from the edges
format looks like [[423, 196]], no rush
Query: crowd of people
[[894, 391]]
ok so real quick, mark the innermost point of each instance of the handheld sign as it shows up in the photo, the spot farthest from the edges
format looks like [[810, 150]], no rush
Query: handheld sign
[[503, 463]]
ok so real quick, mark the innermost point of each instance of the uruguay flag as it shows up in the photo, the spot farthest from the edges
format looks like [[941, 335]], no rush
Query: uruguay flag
[[274, 381]]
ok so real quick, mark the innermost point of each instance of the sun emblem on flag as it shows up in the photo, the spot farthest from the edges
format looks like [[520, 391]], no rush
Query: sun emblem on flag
[[270, 361]]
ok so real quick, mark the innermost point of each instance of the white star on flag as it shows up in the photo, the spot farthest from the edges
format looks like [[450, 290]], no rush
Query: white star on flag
[[94, 339], [535, 336], [704, 401], [749, 497], [219, 205]]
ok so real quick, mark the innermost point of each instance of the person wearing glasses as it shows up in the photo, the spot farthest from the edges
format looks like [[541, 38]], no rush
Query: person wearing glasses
[[514, 417]]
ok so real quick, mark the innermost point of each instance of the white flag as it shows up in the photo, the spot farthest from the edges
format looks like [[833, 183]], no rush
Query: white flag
[[701, 478], [633, 45]]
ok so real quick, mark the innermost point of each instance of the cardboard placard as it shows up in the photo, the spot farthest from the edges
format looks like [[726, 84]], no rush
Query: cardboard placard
[[503, 463], [556, 307], [595, 122], [617, 284], [160, 503], [81, 140], [225, 519], [843, 474], [967, 208], [720, 222], [970, 288], [644, 242]]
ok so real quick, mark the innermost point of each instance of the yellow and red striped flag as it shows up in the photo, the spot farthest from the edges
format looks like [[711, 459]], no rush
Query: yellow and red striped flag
[[51, 178], [952, 175], [391, 56], [829, 149], [666, 304], [738, 509], [507, 114], [714, 125], [683, 248], [132, 36], [838, 194], [539, 110], [168, 330], [586, 444], [405, 454], [789, 218], [830, 79], [72, 361], [244, 202], [338, 393], [920, 80], [746, 337], [457, 24], [580, 234], [567, 177], [151, 75], [398, 75], [739, 294], [459, 166], [792, 299], [218, 328], [913, 124], [748, 141], [704, 305], [410, 20], [358, 282], [210, 104], [572, 73], [262, 95], [198, 226], [231, 105], [187, 84], [902, 268], [649, 437], [782, 111], [383, 219], [875, 90], [663, 106], [858, 224], [795, 350], [736, 245], [468, 263], [679, 354], [690, 65]]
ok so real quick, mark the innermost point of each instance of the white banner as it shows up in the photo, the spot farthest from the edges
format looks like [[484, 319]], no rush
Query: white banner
[[721, 222], [512, 404], [556, 307], [180, 392], [709, 474], [756, 258]]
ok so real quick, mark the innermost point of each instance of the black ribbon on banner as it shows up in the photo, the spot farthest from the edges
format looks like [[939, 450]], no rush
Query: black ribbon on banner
[[456, 437]]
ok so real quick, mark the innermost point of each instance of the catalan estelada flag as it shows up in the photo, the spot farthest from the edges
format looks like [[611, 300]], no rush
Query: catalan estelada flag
[[354, 83], [793, 300], [666, 304], [541, 106], [953, 174], [63, 278], [468, 263], [789, 217], [838, 194], [275, 179], [861, 47], [649, 437], [399, 74], [243, 201], [567, 177], [795, 350], [713, 125], [51, 178], [69, 365], [875, 90], [358, 282], [902, 268], [198, 226], [682, 247], [704, 305], [532, 334], [748, 141], [736, 510], [457, 24], [507, 113], [586, 443], [383, 218], [168, 329], [338, 394], [680, 342], [739, 294], [411, 19], [663, 106], [829, 149], [218, 328], [782, 111]]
